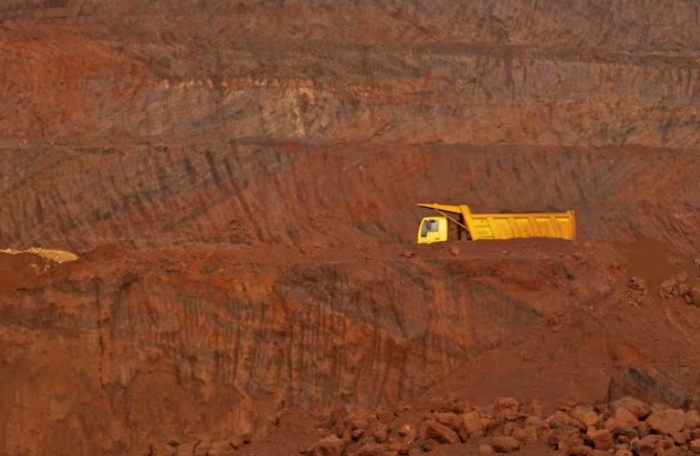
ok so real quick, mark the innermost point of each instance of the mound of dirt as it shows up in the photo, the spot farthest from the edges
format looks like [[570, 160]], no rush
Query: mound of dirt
[[59, 256]]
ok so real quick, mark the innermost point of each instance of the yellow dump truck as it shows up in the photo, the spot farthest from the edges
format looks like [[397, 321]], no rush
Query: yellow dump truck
[[560, 225]]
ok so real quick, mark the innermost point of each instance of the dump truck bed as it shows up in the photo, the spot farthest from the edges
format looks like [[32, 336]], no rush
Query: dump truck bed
[[509, 226]]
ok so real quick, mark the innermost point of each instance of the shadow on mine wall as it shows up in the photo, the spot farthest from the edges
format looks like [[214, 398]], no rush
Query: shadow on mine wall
[[653, 386], [47, 9]]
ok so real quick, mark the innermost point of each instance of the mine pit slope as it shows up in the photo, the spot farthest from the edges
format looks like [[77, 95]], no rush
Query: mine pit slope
[[564, 326]]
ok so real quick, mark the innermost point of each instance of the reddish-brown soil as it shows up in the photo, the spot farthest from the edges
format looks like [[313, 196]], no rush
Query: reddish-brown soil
[[239, 180]]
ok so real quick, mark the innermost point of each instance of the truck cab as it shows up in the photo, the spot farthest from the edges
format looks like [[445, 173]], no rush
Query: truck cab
[[432, 229]]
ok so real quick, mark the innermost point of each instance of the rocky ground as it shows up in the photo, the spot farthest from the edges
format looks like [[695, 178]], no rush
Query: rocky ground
[[622, 427], [238, 183]]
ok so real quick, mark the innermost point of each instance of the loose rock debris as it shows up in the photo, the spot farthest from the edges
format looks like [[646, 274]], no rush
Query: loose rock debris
[[627, 426]]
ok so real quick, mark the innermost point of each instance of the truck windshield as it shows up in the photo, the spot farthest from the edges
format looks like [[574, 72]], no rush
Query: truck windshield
[[430, 226]]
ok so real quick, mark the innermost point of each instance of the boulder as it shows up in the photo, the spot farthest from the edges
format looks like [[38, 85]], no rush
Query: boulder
[[621, 447], [595, 452], [681, 438], [357, 423], [694, 446], [675, 451], [526, 434], [668, 288], [571, 444], [385, 415], [626, 430], [429, 445], [561, 420], [398, 447], [646, 446], [202, 449], [694, 296], [506, 408], [509, 427], [623, 439], [643, 429], [692, 420], [372, 449], [330, 446], [450, 405], [624, 416], [578, 450], [558, 435], [586, 415], [485, 449], [505, 444], [638, 408], [449, 419], [474, 424], [601, 439], [221, 448], [381, 433], [665, 444], [668, 422], [637, 284], [439, 432], [338, 414], [407, 432], [357, 434]]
